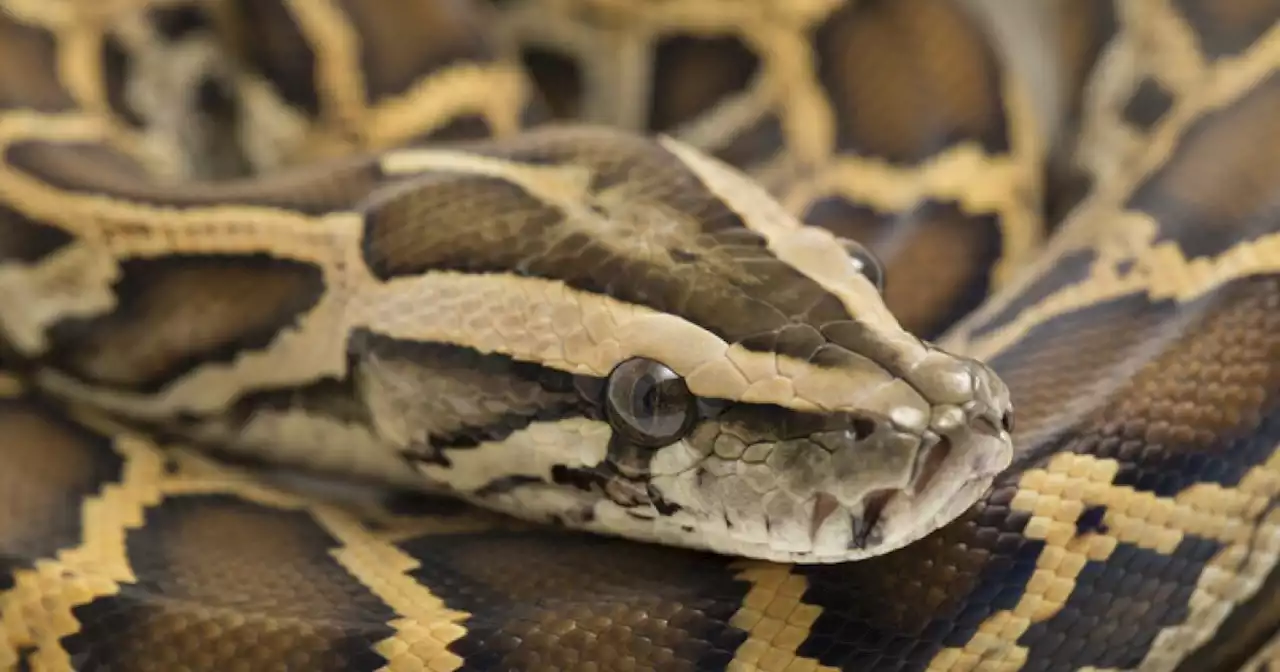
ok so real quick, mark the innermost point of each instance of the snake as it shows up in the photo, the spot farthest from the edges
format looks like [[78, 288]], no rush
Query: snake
[[639, 335]]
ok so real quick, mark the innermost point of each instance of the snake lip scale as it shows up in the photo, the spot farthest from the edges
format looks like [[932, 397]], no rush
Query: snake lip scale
[[461, 335]]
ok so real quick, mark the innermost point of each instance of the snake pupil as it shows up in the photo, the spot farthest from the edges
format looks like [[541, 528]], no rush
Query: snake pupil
[[649, 403]]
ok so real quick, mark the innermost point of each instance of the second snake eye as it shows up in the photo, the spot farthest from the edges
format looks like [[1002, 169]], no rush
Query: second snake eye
[[867, 263]]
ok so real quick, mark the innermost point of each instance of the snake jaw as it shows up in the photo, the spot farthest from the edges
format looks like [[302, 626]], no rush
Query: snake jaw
[[840, 488]]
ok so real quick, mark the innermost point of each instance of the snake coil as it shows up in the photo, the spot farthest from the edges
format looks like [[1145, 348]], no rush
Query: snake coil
[[619, 335]]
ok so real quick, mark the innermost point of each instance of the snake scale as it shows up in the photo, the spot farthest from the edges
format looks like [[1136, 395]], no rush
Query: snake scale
[[639, 335]]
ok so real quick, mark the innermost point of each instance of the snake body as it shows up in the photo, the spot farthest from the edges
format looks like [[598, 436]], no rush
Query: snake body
[[656, 335]]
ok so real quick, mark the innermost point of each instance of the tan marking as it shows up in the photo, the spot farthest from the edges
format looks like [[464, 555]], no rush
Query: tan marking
[[544, 321], [775, 619], [730, 117], [807, 118], [963, 173], [1161, 272], [723, 13], [496, 92], [1057, 494], [565, 186], [79, 50], [128, 229], [426, 627], [73, 282], [339, 80]]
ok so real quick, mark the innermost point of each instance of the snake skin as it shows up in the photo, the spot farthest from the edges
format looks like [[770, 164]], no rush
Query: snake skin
[[1090, 210]]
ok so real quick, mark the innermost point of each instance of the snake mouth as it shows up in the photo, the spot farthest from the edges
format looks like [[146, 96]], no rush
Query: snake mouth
[[947, 477], [873, 506], [929, 463], [864, 527]]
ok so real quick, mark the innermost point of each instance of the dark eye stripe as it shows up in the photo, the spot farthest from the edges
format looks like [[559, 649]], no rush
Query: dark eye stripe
[[498, 395], [500, 429]]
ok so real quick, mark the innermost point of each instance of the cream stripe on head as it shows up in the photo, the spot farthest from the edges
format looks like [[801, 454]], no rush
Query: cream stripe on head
[[546, 322]]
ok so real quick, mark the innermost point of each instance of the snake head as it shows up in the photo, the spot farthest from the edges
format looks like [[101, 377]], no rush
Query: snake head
[[713, 373], [771, 481]]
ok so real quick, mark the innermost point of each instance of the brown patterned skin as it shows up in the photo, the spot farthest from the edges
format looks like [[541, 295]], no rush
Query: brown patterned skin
[[1133, 530]]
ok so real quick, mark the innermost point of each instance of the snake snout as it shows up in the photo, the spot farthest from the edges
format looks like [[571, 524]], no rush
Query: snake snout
[[971, 411]]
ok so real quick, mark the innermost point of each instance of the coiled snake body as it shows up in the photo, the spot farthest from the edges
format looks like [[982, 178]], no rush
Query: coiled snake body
[[617, 307]]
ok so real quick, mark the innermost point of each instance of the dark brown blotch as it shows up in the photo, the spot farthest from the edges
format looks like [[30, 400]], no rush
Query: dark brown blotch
[[401, 44], [908, 79], [865, 527], [329, 398], [1217, 188], [271, 43], [928, 463], [30, 77], [1148, 105], [116, 65], [546, 601], [1080, 29], [174, 22], [175, 313], [94, 169], [241, 581], [693, 74], [466, 127], [413, 229], [937, 258], [558, 78], [25, 240], [52, 465]]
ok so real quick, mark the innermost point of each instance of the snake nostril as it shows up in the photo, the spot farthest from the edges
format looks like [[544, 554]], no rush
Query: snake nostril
[[1006, 421], [863, 428]]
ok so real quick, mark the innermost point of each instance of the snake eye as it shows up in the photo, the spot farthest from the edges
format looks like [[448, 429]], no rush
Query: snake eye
[[648, 403], [866, 262]]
